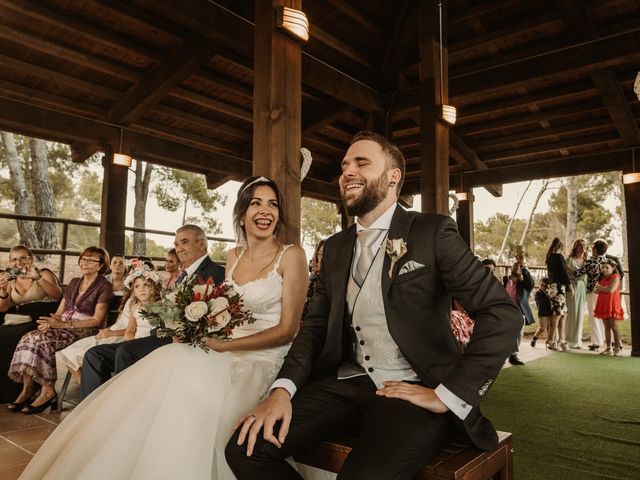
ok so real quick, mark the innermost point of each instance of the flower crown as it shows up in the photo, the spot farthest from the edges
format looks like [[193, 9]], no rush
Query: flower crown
[[139, 269]]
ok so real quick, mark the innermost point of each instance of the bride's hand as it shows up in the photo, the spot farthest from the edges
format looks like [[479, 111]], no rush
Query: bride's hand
[[217, 345]]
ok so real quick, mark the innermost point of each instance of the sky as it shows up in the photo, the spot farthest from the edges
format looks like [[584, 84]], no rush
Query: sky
[[485, 206]]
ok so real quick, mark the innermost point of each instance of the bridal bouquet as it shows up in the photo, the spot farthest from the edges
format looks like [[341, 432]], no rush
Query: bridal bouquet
[[193, 312]]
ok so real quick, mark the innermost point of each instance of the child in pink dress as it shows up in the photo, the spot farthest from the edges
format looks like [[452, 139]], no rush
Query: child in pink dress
[[609, 306]]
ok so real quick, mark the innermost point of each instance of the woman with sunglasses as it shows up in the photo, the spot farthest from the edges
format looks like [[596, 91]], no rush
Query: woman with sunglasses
[[81, 312], [22, 284]]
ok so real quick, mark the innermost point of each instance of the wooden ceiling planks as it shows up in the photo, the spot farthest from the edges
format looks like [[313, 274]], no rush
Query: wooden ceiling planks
[[533, 80]]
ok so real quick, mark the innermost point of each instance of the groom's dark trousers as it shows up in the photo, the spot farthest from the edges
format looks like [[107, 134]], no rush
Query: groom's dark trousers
[[397, 431]]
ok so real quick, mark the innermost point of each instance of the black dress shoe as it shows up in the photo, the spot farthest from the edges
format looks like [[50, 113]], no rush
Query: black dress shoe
[[52, 402], [515, 360]]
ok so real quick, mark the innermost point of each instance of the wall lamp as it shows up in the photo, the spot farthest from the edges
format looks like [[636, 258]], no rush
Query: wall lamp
[[633, 177], [293, 22]]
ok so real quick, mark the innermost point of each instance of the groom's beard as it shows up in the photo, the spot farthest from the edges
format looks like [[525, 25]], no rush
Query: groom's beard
[[372, 195]]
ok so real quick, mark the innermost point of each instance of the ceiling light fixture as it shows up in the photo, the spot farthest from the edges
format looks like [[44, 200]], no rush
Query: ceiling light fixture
[[120, 158], [294, 22]]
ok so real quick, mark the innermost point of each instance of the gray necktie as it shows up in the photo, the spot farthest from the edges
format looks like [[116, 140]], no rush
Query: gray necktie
[[181, 277], [366, 238]]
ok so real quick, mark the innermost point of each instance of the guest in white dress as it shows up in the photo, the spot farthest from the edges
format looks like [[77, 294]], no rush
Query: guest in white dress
[[171, 414], [577, 302], [143, 286]]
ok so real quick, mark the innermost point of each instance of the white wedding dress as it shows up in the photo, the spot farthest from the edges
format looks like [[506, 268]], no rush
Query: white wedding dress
[[170, 415]]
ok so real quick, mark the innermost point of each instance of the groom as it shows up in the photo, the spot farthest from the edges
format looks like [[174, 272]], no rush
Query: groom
[[376, 356]]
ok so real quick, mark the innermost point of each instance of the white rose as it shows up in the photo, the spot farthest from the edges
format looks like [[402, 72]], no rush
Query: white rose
[[195, 311], [171, 296], [223, 317]]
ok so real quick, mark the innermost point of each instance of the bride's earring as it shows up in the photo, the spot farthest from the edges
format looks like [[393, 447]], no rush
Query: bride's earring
[[242, 223]]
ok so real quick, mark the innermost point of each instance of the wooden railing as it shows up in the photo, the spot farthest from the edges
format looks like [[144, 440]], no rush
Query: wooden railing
[[64, 252]]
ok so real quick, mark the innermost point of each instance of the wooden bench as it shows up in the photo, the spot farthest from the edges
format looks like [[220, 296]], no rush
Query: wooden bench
[[457, 460]]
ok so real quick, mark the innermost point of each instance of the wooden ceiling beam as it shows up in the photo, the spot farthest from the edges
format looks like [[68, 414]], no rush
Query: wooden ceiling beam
[[579, 21], [462, 16], [215, 179], [61, 52], [315, 119], [179, 135], [41, 98], [202, 122], [83, 28], [155, 85], [54, 76], [356, 15], [320, 190], [219, 81], [60, 127], [472, 159], [213, 104], [606, 161], [401, 43], [339, 46], [212, 21], [579, 59], [589, 107], [550, 147], [533, 135]]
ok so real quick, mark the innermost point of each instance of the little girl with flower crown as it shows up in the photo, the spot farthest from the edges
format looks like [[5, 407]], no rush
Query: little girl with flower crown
[[142, 286]]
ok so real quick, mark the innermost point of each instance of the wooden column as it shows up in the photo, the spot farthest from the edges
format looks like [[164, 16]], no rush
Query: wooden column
[[114, 205], [434, 134], [464, 218], [277, 109], [632, 200]]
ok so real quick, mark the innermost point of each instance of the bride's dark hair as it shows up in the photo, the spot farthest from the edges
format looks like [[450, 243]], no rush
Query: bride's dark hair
[[245, 194]]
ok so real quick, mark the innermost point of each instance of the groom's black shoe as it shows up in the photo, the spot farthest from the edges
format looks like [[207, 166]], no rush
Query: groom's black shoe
[[515, 360]]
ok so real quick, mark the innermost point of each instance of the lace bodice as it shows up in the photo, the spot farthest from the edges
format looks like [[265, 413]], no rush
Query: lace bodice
[[263, 296]]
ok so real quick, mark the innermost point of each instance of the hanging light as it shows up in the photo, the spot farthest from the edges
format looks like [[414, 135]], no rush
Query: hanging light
[[447, 112], [462, 196], [120, 158], [294, 22], [633, 177]]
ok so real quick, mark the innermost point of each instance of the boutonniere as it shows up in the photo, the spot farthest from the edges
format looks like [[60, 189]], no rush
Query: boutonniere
[[396, 248]]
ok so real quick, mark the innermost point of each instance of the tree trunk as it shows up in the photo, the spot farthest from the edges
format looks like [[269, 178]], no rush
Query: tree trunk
[[141, 189], [42, 194], [506, 234], [20, 192], [571, 185], [543, 189]]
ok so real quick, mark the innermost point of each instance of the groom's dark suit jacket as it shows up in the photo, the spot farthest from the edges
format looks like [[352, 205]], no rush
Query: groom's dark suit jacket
[[418, 307]]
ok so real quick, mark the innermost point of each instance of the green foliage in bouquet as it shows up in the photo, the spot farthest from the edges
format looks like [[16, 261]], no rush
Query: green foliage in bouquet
[[193, 312]]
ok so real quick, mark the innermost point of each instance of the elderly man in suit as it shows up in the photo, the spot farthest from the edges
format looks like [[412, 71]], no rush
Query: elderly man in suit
[[376, 356], [103, 360]]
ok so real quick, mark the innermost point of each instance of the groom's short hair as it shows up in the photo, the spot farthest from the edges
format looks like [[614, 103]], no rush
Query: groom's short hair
[[393, 155]]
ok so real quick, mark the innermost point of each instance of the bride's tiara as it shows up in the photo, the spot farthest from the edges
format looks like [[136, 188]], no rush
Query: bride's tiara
[[257, 180]]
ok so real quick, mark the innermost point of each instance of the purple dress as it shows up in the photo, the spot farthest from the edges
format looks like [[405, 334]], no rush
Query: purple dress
[[35, 354]]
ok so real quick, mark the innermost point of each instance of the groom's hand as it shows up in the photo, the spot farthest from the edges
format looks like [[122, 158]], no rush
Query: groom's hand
[[276, 407], [417, 394]]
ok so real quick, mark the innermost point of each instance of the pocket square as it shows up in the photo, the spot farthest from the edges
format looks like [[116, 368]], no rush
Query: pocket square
[[410, 266]]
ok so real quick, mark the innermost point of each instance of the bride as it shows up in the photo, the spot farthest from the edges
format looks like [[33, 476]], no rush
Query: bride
[[171, 414]]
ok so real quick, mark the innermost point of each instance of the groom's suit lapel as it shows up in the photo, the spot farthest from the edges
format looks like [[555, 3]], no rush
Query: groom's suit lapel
[[399, 228], [341, 272]]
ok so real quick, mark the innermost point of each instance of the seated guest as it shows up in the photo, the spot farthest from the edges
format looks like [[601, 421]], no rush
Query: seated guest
[[142, 286], [82, 310], [22, 285], [172, 267], [117, 273], [316, 263], [103, 360]]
